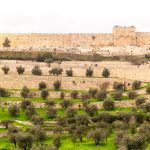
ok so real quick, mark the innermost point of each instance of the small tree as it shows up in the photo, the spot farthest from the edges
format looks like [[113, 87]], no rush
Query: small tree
[[51, 113], [13, 110], [118, 86], [101, 95], [108, 104], [148, 90], [89, 72], [62, 95], [69, 72], [36, 71], [92, 110], [37, 120], [50, 104], [93, 92], [74, 94], [6, 123], [4, 92], [117, 95], [20, 70], [25, 103], [25, 92], [5, 69], [136, 84], [30, 111], [97, 135], [106, 73], [139, 101], [56, 71], [57, 142], [65, 104], [42, 85], [6, 42], [48, 61], [70, 112], [132, 94], [57, 85], [44, 93], [24, 140]]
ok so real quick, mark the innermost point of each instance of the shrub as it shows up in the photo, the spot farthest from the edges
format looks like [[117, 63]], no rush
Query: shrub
[[108, 104], [44, 93], [25, 103], [39, 58], [106, 73], [74, 94], [148, 90], [118, 86], [89, 72], [56, 71], [4, 92], [36, 71], [5, 69], [132, 94], [57, 85], [69, 72], [139, 101], [117, 95], [50, 104], [20, 70], [93, 92], [42, 85], [13, 110], [25, 92], [136, 84], [57, 142], [101, 95]]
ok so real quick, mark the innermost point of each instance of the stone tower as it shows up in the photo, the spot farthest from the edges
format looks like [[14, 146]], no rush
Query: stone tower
[[124, 36]]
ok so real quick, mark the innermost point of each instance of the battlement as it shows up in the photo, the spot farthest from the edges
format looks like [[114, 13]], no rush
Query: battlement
[[120, 36]]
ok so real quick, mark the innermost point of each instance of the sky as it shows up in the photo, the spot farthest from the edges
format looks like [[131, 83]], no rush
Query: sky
[[72, 16]]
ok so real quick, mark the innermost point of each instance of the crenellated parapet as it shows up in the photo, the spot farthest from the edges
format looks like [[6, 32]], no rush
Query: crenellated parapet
[[120, 36]]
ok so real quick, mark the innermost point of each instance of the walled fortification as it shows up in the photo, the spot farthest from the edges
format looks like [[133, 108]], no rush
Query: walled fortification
[[120, 36]]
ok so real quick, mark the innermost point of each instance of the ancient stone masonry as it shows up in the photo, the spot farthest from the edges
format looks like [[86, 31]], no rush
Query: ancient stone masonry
[[120, 36]]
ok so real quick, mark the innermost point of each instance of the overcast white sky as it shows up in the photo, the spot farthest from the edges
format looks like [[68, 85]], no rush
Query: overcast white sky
[[60, 16]]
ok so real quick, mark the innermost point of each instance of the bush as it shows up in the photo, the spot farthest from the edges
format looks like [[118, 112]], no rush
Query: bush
[[93, 92], [20, 70], [74, 94], [39, 58], [148, 90], [25, 92], [106, 73], [108, 104], [92, 110], [44, 93], [69, 72], [101, 95], [50, 104], [89, 72], [30, 111], [136, 84], [132, 94], [42, 85], [36, 71], [57, 85], [118, 86], [117, 95], [48, 61], [5, 69], [139, 101], [4, 92], [25, 103], [13, 110], [56, 71]]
